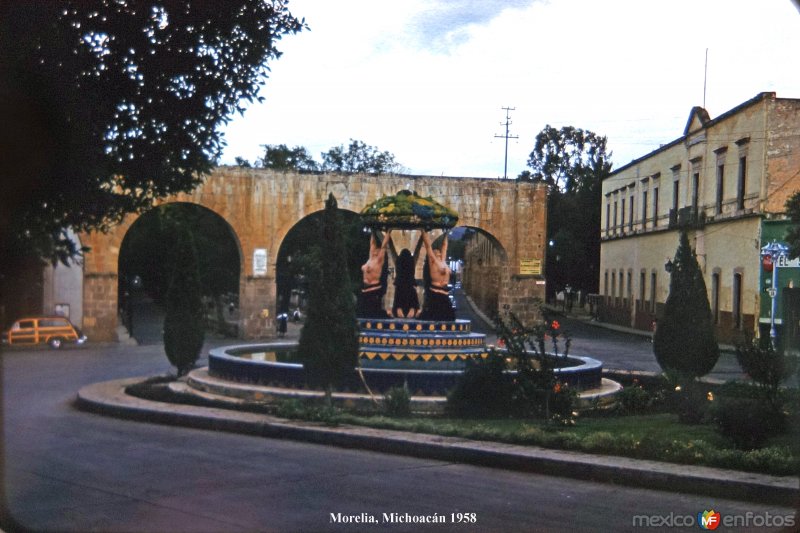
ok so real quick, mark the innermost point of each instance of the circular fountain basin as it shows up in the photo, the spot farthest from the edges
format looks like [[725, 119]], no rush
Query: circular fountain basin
[[259, 364]]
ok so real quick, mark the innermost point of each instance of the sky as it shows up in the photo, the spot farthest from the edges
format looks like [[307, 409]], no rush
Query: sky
[[428, 79]]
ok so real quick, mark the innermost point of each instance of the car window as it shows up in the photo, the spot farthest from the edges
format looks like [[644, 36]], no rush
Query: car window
[[52, 322], [24, 324]]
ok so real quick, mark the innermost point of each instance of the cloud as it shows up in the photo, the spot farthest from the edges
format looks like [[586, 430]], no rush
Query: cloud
[[427, 80]]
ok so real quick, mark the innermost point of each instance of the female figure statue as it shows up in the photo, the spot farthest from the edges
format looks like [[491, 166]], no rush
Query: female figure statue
[[437, 297], [406, 301], [370, 299]]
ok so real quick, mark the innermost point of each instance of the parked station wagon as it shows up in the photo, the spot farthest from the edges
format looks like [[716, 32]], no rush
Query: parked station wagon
[[52, 330]]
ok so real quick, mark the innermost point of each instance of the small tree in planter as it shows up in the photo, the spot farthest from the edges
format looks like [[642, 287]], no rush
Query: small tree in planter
[[328, 345], [684, 342], [768, 367], [184, 330]]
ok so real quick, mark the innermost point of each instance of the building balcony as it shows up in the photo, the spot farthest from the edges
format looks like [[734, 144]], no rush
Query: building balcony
[[687, 218]]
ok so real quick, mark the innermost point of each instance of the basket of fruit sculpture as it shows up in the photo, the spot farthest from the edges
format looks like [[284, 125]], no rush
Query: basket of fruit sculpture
[[406, 210]]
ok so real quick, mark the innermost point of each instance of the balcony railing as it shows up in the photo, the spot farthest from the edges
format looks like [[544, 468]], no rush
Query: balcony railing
[[687, 218]]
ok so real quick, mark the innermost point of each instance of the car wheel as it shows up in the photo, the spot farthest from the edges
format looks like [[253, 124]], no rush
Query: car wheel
[[55, 342]]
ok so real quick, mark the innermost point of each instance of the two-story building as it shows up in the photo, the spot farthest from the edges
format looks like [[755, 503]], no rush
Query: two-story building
[[725, 181]]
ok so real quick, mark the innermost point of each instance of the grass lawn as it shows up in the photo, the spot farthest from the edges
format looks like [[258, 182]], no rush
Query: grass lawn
[[653, 436], [657, 436]]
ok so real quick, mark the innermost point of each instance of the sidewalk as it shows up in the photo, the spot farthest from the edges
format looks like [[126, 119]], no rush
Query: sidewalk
[[109, 398]]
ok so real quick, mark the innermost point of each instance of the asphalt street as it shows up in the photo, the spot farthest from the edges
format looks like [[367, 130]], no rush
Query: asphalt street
[[67, 470]]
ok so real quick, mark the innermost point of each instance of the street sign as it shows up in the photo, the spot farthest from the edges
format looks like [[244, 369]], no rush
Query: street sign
[[530, 267]]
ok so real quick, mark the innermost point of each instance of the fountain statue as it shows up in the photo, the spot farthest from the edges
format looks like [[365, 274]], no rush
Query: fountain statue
[[403, 343]]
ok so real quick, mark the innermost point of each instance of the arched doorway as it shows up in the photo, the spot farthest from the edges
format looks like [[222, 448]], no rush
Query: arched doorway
[[479, 262], [299, 251], [146, 259]]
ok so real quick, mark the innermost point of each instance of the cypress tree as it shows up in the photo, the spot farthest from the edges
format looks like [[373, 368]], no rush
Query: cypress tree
[[184, 331], [328, 345], [684, 340]]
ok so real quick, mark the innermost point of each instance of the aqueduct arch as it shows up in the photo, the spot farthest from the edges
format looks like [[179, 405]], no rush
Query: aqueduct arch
[[261, 206]]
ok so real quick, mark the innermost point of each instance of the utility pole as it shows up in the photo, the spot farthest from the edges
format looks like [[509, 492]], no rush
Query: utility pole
[[506, 137]]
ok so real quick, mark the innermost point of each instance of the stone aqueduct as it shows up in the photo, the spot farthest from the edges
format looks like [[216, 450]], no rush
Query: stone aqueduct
[[261, 206]]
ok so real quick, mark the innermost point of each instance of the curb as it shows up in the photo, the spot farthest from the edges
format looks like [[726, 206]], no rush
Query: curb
[[109, 398]]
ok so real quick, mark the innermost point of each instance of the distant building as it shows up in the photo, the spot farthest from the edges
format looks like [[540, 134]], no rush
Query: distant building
[[726, 181]]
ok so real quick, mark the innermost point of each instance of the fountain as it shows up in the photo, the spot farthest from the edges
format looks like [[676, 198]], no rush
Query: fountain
[[424, 349]]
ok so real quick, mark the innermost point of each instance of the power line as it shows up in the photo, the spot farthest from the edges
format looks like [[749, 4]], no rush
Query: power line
[[506, 137]]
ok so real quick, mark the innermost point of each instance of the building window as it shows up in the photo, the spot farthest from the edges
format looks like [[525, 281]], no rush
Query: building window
[[630, 215], [642, 280], [615, 217], [653, 280], [608, 217], [720, 186], [655, 207], [715, 280], [629, 294], [695, 191], [605, 284], [622, 216], [644, 209], [621, 285], [736, 309], [676, 190], [741, 186], [614, 287]]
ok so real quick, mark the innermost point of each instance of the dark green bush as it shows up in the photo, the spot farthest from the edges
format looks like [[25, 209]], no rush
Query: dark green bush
[[184, 328], [562, 403], [634, 400], [684, 340], [748, 423], [484, 390], [766, 366], [690, 402], [397, 402]]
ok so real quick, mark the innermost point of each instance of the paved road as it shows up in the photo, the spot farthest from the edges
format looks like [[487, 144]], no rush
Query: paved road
[[618, 350], [67, 470]]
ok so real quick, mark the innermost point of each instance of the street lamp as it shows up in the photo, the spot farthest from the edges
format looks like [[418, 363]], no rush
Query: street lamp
[[771, 255]]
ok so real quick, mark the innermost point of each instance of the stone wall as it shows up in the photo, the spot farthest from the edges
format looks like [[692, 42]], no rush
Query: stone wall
[[262, 206]]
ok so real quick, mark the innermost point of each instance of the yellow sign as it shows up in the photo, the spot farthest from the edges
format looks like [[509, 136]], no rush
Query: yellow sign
[[530, 267]]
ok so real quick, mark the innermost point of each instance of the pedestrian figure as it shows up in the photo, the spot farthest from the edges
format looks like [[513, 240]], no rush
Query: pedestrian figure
[[282, 320]]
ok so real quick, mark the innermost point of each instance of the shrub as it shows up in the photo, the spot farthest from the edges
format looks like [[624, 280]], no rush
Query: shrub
[[562, 402], [634, 400], [397, 402], [684, 338], [183, 321], [748, 423], [483, 391], [767, 367], [328, 345], [690, 402]]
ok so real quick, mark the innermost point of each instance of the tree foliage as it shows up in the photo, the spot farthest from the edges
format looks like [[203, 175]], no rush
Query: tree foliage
[[684, 340], [183, 321], [328, 343], [359, 157], [108, 105], [281, 157], [793, 234], [572, 162]]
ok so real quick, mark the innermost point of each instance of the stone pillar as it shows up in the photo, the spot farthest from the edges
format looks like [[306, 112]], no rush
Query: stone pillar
[[100, 306], [522, 295], [257, 307]]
